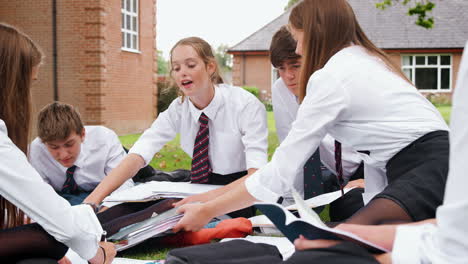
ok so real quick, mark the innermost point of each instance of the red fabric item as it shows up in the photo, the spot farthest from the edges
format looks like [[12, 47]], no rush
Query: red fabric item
[[229, 228]]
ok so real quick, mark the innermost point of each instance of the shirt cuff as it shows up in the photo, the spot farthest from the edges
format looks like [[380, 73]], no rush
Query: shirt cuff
[[256, 159], [257, 190], [408, 241], [86, 242]]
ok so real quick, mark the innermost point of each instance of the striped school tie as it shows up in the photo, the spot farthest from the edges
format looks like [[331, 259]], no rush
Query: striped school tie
[[201, 168], [70, 186], [339, 166], [313, 183]]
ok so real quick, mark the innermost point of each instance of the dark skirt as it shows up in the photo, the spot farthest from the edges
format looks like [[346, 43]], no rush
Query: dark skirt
[[417, 175]]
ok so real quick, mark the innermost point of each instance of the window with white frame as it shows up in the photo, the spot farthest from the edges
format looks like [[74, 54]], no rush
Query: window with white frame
[[130, 25], [429, 72]]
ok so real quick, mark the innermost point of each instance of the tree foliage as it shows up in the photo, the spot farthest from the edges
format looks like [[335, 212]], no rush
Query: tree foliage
[[420, 8], [223, 58], [163, 66]]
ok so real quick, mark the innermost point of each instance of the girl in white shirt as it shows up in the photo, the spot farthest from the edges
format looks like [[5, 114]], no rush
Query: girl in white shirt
[[358, 97], [22, 189], [236, 120]]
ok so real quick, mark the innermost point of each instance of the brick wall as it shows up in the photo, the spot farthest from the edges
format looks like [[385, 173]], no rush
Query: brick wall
[[109, 86], [35, 19], [253, 70]]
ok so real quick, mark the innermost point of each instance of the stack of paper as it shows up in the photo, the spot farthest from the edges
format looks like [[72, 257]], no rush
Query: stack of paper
[[155, 190], [157, 225]]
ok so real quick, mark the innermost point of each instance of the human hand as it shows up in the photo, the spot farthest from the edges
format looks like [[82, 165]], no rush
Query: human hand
[[356, 183], [384, 258], [303, 243], [202, 197], [382, 235], [64, 260], [105, 254], [195, 217]]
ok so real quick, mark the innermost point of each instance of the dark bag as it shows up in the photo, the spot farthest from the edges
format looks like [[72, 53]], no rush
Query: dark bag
[[231, 252]]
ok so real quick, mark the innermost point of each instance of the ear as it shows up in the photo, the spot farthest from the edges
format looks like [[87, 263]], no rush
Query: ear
[[83, 134], [211, 67]]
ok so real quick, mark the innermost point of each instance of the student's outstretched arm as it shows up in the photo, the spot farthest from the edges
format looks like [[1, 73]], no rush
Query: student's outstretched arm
[[124, 171], [213, 194], [198, 215]]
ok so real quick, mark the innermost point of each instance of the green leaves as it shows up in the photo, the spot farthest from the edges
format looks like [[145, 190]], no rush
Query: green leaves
[[420, 9]]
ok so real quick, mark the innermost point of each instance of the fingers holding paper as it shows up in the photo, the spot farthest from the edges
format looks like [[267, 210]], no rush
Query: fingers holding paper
[[195, 217]]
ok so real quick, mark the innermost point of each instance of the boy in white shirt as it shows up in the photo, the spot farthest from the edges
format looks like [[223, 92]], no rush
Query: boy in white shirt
[[73, 158], [285, 105]]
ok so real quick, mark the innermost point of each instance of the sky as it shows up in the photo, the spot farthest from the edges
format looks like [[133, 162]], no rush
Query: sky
[[216, 21]]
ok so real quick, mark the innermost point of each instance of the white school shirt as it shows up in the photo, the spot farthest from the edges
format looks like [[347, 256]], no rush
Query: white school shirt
[[77, 226], [356, 99], [448, 241], [101, 151], [285, 106], [237, 126]]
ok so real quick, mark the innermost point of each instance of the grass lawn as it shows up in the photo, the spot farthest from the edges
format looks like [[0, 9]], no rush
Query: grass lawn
[[172, 157]]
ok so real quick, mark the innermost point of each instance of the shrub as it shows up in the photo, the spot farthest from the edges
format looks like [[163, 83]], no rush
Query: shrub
[[439, 98], [252, 89], [167, 92]]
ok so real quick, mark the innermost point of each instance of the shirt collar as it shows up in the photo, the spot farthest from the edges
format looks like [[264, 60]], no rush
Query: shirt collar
[[81, 157], [211, 110]]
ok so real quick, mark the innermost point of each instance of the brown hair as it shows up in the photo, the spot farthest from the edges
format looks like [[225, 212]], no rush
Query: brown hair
[[56, 121], [204, 51], [329, 26], [282, 47], [18, 56]]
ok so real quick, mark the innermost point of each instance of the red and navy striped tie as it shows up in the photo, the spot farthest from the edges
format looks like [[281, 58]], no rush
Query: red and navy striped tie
[[201, 168], [70, 186]]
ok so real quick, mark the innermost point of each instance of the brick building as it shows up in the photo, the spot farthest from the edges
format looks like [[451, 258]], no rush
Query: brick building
[[429, 57], [100, 55]]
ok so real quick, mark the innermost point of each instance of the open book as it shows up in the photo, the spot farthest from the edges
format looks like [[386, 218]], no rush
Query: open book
[[309, 224]]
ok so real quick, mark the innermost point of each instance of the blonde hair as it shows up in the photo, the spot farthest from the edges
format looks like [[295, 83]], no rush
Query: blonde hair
[[18, 56], [329, 26], [56, 121], [204, 51]]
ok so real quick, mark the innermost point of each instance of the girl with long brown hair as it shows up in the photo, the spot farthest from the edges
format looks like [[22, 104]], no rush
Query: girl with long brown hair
[[350, 90], [22, 189], [222, 127]]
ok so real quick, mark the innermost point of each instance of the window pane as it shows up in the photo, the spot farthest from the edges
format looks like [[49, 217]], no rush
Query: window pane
[[445, 60], [134, 24], [128, 44], [407, 60], [408, 73], [128, 6], [134, 5], [128, 22], [432, 60], [123, 39], [420, 60], [426, 78], [134, 43], [445, 79], [123, 20]]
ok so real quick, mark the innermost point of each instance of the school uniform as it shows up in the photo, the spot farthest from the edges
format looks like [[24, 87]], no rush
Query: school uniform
[[285, 106], [238, 132], [364, 105], [76, 227], [447, 242], [101, 151]]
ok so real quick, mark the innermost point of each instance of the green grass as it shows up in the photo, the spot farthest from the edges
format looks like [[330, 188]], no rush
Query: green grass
[[172, 157]]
